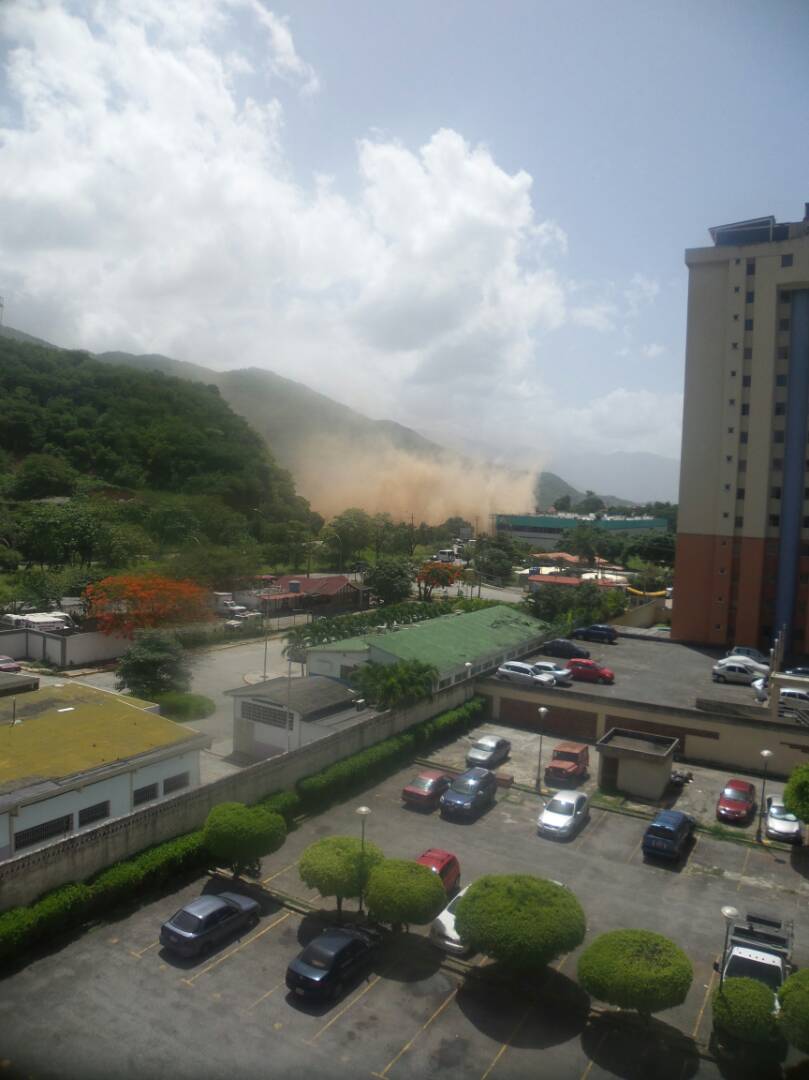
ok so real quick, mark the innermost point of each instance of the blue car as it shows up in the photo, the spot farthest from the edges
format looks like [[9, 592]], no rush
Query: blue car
[[668, 835], [470, 793]]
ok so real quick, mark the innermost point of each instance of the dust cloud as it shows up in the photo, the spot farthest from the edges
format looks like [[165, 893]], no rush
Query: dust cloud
[[334, 474]]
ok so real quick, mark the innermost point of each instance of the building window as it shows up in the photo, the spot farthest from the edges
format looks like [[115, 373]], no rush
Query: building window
[[749, 297], [738, 522], [727, 487], [747, 379], [743, 437], [780, 380], [778, 436], [728, 458], [786, 260], [785, 297], [748, 354], [783, 324], [97, 812], [144, 794], [735, 318], [782, 352], [732, 401], [731, 430], [745, 410], [751, 266], [725, 514], [175, 783], [804, 579], [805, 523], [748, 324], [806, 493], [742, 466], [778, 464], [37, 833], [775, 493], [733, 374], [737, 262], [780, 408], [775, 520], [739, 493], [264, 714]]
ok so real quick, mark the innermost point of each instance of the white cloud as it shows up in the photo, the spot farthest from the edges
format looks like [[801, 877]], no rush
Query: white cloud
[[653, 351], [641, 292], [599, 316]]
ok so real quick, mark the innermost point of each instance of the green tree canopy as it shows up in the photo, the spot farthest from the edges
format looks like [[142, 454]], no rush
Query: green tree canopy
[[348, 533], [521, 921], [389, 686], [390, 579], [239, 835], [41, 475], [743, 1009], [794, 1016], [401, 891], [796, 792], [155, 664], [336, 866], [636, 969]]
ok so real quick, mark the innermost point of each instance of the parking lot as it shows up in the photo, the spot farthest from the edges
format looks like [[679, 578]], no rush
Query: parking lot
[[112, 1000]]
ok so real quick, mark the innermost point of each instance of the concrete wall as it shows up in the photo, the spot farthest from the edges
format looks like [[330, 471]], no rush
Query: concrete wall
[[644, 615], [62, 650], [25, 877], [645, 777], [732, 742]]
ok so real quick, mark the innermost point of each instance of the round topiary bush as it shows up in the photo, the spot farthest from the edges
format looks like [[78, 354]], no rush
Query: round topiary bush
[[636, 969], [743, 1009], [794, 1017], [337, 866], [521, 921], [400, 891], [239, 835]]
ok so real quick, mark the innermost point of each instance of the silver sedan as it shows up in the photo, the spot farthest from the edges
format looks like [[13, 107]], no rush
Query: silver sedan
[[488, 751], [564, 815], [780, 824]]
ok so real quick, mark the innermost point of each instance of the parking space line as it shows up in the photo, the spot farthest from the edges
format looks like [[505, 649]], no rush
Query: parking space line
[[239, 947], [744, 868], [278, 873], [708, 990], [593, 829], [264, 997], [421, 1030], [635, 849], [138, 953], [348, 1005], [589, 1064]]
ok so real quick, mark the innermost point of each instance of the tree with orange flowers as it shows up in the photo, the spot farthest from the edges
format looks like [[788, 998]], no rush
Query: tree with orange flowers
[[435, 575], [128, 602]]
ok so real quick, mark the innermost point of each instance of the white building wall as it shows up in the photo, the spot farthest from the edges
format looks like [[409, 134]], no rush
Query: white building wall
[[329, 662]]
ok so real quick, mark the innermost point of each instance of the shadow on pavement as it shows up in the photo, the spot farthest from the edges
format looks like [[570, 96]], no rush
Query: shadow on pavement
[[625, 1046], [267, 904]]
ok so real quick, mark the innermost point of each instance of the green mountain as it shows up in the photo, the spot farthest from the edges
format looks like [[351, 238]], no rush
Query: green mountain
[[548, 487]]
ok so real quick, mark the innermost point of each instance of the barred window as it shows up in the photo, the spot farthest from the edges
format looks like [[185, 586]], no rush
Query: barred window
[[94, 813], [174, 783], [264, 714], [144, 794], [37, 833]]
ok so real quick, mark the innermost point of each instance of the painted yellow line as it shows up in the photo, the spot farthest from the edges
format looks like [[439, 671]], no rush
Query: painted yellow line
[[744, 868], [708, 990], [589, 1064], [512, 1035], [349, 1004], [278, 873], [635, 850], [420, 1031], [264, 997], [140, 952], [243, 945]]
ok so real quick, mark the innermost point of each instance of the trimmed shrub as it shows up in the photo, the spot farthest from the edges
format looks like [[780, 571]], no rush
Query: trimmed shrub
[[182, 707], [636, 969], [794, 1017], [285, 803], [521, 921], [743, 1009], [239, 835], [401, 891], [335, 866], [18, 930]]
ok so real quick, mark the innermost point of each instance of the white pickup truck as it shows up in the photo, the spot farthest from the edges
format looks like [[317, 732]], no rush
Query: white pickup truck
[[760, 947]]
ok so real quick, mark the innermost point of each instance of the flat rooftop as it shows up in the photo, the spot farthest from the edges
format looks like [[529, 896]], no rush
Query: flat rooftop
[[638, 743]]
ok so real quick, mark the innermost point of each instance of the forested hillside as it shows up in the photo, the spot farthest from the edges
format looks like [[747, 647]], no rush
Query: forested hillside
[[65, 417]]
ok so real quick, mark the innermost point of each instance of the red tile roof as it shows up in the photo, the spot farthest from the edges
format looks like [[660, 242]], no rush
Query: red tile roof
[[560, 579]]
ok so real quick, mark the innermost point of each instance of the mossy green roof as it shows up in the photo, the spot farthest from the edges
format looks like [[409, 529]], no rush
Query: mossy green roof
[[450, 640], [61, 730]]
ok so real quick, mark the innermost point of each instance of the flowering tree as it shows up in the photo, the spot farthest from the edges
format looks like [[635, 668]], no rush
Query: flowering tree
[[434, 575], [127, 603]]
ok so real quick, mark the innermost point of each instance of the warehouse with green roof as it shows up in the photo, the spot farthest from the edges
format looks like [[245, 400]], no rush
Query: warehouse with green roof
[[482, 639]]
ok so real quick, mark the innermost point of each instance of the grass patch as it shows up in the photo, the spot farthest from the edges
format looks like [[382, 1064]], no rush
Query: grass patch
[[183, 707]]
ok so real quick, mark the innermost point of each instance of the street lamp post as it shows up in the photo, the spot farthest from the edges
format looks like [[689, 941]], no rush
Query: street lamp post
[[766, 755], [729, 914], [363, 811], [468, 666], [543, 712]]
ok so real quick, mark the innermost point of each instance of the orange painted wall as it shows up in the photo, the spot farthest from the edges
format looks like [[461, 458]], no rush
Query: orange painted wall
[[702, 589]]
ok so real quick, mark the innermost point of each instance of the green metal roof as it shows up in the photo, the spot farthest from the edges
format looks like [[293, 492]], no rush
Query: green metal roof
[[557, 521], [349, 644]]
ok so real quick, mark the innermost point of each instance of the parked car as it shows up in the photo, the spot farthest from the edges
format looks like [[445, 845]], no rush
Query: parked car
[[668, 834], [9, 665], [426, 789], [568, 765], [331, 961], [750, 653], [736, 672], [204, 922], [791, 700], [737, 803], [488, 751], [596, 632], [762, 669], [780, 824], [802, 671], [590, 671], [516, 671], [446, 865], [564, 815], [469, 793], [443, 933], [561, 675], [564, 648]]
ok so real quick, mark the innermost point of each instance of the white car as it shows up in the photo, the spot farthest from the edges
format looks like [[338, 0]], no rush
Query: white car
[[735, 672], [516, 671], [780, 824], [442, 931], [564, 815], [562, 675], [750, 653], [792, 700], [762, 669]]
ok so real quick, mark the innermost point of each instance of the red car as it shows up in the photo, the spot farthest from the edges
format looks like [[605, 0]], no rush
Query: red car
[[426, 789], [590, 671], [737, 802], [9, 665], [446, 865]]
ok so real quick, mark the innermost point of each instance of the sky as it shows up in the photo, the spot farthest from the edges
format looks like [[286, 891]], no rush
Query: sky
[[466, 217]]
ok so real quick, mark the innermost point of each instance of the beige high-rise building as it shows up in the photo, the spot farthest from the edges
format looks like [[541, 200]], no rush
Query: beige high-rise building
[[742, 568]]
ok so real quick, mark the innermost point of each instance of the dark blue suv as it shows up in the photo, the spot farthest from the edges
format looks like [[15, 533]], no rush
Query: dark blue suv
[[470, 793], [596, 632], [668, 835]]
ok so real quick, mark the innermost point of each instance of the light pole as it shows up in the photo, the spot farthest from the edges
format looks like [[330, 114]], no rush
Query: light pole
[[363, 811], [289, 712], [766, 754], [468, 666], [729, 914], [543, 712]]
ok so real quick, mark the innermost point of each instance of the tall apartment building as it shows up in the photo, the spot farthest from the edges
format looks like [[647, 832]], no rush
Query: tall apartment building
[[742, 568]]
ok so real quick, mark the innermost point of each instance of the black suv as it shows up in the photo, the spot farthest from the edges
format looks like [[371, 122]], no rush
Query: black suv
[[469, 793], [567, 649], [596, 632]]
